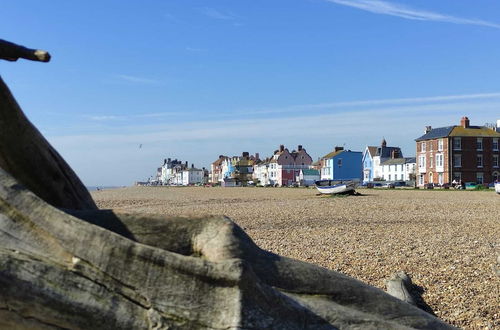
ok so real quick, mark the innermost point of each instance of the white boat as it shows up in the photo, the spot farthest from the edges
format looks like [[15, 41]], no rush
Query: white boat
[[332, 187], [497, 187]]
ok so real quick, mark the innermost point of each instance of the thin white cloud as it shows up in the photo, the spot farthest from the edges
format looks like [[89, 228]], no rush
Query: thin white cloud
[[130, 117], [398, 10], [217, 14], [135, 79], [379, 102]]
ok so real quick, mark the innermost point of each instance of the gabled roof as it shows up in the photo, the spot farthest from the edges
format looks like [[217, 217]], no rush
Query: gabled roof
[[372, 150]]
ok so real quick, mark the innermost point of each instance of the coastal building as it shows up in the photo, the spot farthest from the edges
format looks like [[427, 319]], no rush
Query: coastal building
[[192, 176], [399, 169], [261, 173], [307, 177], [460, 153], [374, 156], [168, 170], [238, 170], [284, 166], [216, 170], [342, 164]]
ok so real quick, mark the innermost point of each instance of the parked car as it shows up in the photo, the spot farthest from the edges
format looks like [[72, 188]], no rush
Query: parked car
[[470, 185]]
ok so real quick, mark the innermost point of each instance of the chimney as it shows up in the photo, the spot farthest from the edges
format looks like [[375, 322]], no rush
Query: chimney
[[299, 147], [192, 165], [282, 148], [464, 122], [245, 154], [257, 156], [164, 161], [186, 164], [427, 129], [338, 148]]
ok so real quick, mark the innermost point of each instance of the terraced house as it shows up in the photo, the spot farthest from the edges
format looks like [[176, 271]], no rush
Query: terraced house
[[458, 153]]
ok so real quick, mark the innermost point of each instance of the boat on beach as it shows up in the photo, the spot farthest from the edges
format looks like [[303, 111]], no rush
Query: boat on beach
[[332, 187]]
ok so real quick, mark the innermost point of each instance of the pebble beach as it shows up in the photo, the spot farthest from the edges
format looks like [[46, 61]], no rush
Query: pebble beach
[[446, 240]]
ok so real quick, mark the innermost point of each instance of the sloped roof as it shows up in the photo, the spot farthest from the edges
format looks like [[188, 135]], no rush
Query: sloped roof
[[436, 133], [399, 161], [372, 150], [333, 154], [440, 132], [478, 131], [310, 172], [385, 152]]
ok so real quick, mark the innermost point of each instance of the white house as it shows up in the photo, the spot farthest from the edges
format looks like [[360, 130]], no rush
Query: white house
[[261, 173], [398, 169], [192, 176], [374, 157]]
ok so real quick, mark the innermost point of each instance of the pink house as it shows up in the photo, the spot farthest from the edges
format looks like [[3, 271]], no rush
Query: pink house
[[285, 166]]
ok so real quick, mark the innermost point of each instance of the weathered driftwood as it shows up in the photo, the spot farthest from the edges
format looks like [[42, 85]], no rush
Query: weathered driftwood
[[399, 285], [29, 157], [12, 52], [96, 269]]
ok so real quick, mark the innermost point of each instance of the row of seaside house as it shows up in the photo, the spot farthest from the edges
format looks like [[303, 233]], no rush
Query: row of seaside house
[[444, 155]]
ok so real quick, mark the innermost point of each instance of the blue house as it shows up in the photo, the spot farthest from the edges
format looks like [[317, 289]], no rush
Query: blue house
[[368, 163], [373, 157], [342, 164]]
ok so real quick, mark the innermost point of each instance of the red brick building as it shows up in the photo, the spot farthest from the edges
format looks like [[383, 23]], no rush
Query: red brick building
[[458, 153]]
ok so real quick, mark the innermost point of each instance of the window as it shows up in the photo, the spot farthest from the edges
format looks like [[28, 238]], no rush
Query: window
[[457, 143], [430, 145], [479, 160], [479, 144], [457, 160], [495, 144], [389, 177], [422, 146], [421, 163], [339, 162], [439, 160], [431, 161], [440, 144], [479, 178], [495, 160]]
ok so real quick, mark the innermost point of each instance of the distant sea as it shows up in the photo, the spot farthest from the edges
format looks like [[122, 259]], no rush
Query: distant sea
[[94, 188]]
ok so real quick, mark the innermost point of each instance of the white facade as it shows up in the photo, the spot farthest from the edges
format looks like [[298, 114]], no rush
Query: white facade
[[261, 173], [397, 172], [192, 176]]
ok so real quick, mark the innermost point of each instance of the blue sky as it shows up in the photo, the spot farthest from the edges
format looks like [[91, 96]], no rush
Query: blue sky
[[194, 79]]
